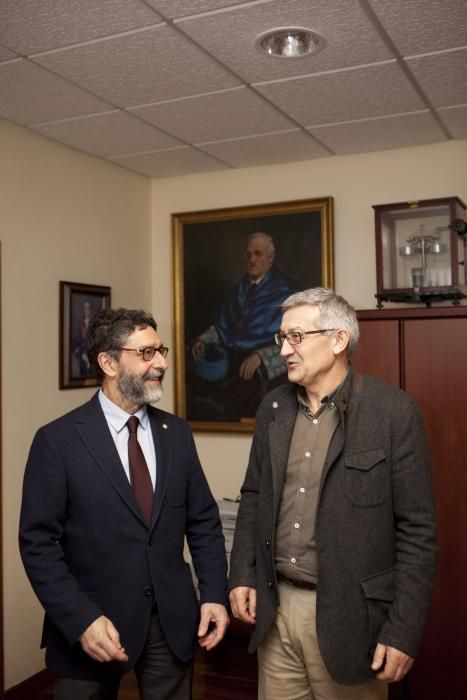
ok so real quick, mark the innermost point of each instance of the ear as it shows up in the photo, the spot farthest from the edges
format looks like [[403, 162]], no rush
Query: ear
[[340, 341], [107, 363]]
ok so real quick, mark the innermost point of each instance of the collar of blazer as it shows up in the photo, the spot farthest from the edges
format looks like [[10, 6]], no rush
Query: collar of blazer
[[92, 427]]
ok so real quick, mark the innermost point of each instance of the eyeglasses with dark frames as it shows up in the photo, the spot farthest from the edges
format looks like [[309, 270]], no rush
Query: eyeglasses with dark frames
[[296, 337], [148, 352]]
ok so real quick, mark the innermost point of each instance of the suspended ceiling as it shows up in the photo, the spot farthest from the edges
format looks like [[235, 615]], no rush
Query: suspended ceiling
[[171, 87]]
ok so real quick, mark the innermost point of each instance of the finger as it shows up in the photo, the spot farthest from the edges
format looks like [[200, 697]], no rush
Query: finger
[[379, 657], [113, 634], [252, 603], [204, 622]]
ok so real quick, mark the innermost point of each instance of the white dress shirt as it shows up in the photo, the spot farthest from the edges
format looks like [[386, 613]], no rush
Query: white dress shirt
[[116, 419]]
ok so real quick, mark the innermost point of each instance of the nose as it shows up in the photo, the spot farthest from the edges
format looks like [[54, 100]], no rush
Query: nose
[[159, 362], [286, 348]]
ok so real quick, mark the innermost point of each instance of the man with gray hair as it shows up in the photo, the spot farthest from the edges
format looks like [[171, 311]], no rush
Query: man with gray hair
[[238, 347], [111, 491], [335, 546]]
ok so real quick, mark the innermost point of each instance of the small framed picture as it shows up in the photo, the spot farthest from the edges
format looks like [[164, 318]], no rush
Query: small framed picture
[[232, 270], [78, 303]]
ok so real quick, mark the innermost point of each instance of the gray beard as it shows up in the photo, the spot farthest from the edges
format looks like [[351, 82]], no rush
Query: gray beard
[[136, 390]]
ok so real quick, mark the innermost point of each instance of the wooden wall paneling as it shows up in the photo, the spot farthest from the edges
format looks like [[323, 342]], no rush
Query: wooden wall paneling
[[378, 352], [435, 353]]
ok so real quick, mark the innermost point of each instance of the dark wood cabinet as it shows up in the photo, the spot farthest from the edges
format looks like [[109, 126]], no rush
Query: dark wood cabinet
[[424, 351]]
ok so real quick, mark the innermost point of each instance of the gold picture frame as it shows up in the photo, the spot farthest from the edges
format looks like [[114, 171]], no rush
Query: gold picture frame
[[208, 263]]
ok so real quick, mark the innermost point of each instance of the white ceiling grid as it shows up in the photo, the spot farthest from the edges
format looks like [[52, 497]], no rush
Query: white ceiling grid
[[171, 87]]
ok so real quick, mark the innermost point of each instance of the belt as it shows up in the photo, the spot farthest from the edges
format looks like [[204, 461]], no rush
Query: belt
[[306, 585]]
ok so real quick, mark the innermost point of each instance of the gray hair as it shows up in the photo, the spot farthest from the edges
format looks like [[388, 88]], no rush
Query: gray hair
[[334, 311], [269, 240]]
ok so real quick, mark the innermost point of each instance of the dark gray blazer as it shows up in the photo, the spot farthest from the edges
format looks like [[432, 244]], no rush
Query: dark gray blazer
[[88, 551], [376, 537]]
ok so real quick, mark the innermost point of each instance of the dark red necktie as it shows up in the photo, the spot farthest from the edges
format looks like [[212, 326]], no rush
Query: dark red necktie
[[139, 472]]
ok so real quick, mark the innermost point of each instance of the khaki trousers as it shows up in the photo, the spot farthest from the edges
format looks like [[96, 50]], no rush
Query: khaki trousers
[[290, 666]]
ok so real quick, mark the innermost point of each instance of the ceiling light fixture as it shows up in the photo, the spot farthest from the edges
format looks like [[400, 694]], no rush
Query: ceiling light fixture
[[290, 42]]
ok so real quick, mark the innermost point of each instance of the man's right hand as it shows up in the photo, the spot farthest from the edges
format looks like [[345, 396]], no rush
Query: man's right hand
[[243, 603], [101, 641]]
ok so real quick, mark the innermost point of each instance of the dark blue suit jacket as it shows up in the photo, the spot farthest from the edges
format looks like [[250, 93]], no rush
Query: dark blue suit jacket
[[88, 551]]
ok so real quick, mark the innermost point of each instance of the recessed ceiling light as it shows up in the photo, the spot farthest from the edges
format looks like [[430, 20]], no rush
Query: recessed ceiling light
[[290, 42]]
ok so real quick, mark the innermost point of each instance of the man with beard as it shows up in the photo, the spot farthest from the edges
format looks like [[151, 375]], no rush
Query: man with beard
[[110, 492]]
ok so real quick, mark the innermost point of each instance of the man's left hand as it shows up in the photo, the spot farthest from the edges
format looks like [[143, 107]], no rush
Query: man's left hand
[[391, 663], [213, 624], [249, 367]]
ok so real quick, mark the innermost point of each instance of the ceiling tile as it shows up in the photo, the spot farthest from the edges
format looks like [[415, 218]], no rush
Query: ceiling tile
[[230, 36], [108, 134], [29, 94], [418, 27], [354, 94], [379, 134], [179, 161], [181, 8], [271, 148], [222, 115], [443, 77], [6, 54], [139, 68], [455, 119], [28, 26]]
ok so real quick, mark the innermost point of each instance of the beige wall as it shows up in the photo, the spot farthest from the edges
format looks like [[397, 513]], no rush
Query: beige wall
[[68, 216], [64, 216], [355, 182]]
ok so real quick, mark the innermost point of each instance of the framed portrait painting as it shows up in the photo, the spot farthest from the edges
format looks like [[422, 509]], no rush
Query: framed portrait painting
[[232, 270], [78, 303]]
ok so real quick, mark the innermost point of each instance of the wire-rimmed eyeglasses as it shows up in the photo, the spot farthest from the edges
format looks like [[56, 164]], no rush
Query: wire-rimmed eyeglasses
[[296, 337], [148, 352]]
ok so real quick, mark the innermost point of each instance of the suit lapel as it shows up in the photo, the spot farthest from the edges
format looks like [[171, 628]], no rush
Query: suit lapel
[[161, 433], [284, 411], [94, 432]]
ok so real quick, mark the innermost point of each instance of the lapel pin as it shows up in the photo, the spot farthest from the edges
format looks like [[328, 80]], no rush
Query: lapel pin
[[275, 404]]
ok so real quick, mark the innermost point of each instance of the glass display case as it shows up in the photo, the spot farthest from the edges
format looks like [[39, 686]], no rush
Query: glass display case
[[420, 256]]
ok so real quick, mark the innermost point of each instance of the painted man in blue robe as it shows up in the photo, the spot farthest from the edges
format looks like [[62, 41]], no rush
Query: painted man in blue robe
[[236, 360]]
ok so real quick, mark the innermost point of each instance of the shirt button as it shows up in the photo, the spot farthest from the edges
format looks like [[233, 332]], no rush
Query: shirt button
[[307, 454], [147, 591], [302, 490], [297, 525], [293, 560], [315, 420]]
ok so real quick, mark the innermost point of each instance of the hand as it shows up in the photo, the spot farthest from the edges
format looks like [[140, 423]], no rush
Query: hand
[[196, 348], [243, 602], [213, 625], [101, 641], [393, 664], [249, 367]]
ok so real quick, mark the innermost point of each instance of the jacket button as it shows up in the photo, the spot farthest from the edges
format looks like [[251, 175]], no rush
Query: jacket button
[[151, 541], [147, 591], [270, 584], [268, 544]]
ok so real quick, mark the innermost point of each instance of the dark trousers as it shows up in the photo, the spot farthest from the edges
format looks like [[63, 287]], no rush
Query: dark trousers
[[160, 675]]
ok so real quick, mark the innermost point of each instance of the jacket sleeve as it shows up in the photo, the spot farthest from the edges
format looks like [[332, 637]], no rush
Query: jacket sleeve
[[414, 520], [243, 556], [41, 532], [204, 533]]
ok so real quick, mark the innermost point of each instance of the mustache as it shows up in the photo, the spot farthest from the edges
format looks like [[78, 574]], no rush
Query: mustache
[[154, 374]]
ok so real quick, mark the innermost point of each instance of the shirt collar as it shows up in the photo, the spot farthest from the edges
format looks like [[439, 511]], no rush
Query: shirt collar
[[117, 417], [328, 400]]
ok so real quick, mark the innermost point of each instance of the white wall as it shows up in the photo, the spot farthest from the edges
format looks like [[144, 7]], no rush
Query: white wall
[[64, 216], [356, 183], [68, 216]]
